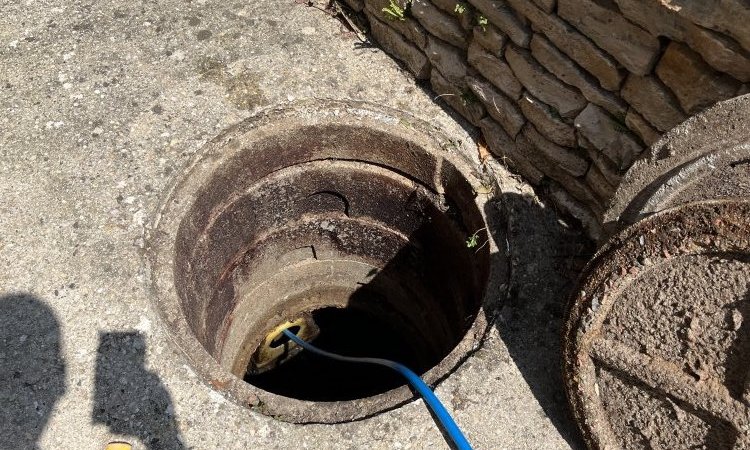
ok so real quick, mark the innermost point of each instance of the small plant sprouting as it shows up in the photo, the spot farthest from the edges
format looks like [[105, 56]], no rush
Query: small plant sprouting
[[394, 11], [461, 8], [473, 240], [482, 22]]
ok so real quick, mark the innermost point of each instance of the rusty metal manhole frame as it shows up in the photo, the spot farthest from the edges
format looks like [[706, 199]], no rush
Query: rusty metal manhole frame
[[177, 199]]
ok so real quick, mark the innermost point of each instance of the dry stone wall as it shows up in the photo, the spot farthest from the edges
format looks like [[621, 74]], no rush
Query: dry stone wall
[[570, 92]]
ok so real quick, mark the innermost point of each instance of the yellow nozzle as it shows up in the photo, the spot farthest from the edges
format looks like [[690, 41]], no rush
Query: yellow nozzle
[[275, 348], [118, 446]]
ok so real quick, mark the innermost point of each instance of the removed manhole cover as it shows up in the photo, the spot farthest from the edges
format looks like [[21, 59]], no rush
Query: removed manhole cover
[[705, 157], [658, 338], [347, 223]]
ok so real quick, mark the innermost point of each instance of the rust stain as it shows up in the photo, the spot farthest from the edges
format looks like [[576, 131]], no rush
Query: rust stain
[[219, 384]]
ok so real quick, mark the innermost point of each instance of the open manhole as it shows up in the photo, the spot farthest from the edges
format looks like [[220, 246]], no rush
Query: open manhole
[[347, 225]]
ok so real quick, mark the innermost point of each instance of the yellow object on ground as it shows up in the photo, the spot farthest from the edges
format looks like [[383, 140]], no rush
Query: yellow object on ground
[[119, 446]]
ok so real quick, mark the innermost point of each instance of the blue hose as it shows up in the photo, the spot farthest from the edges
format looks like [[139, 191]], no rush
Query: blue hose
[[429, 397]]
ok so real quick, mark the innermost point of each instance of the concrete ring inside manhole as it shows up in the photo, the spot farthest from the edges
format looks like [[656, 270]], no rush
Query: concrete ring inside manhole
[[657, 340], [348, 224]]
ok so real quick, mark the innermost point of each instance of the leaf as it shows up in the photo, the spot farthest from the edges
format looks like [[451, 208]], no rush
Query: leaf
[[484, 152]]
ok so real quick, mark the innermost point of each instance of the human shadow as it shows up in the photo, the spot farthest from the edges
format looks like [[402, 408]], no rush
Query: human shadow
[[32, 370], [546, 258], [128, 398]]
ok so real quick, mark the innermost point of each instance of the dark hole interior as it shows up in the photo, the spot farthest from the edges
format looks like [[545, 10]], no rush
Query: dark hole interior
[[347, 331], [410, 312]]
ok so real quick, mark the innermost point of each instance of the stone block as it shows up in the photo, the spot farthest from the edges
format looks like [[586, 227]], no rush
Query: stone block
[[633, 47], [438, 23], [568, 71], [502, 16], [590, 221], [719, 51], [448, 6], [599, 184], [608, 135], [505, 149], [581, 191], [500, 107], [654, 17], [395, 44], [356, 5], [573, 44], [727, 16], [449, 60], [465, 16], [547, 6], [695, 84], [547, 121], [542, 84], [653, 101], [455, 96], [408, 28], [562, 158], [604, 164], [639, 126], [574, 185], [491, 39], [495, 70]]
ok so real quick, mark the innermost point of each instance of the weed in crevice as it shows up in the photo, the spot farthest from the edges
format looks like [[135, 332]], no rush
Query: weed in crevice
[[482, 22], [395, 11], [473, 240]]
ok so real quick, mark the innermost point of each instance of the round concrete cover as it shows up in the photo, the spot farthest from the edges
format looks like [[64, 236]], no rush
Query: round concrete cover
[[657, 339]]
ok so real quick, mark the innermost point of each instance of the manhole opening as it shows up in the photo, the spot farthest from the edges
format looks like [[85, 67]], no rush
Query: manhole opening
[[347, 331], [354, 237]]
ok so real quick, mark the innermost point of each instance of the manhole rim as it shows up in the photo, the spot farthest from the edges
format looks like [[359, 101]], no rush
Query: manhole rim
[[159, 256]]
